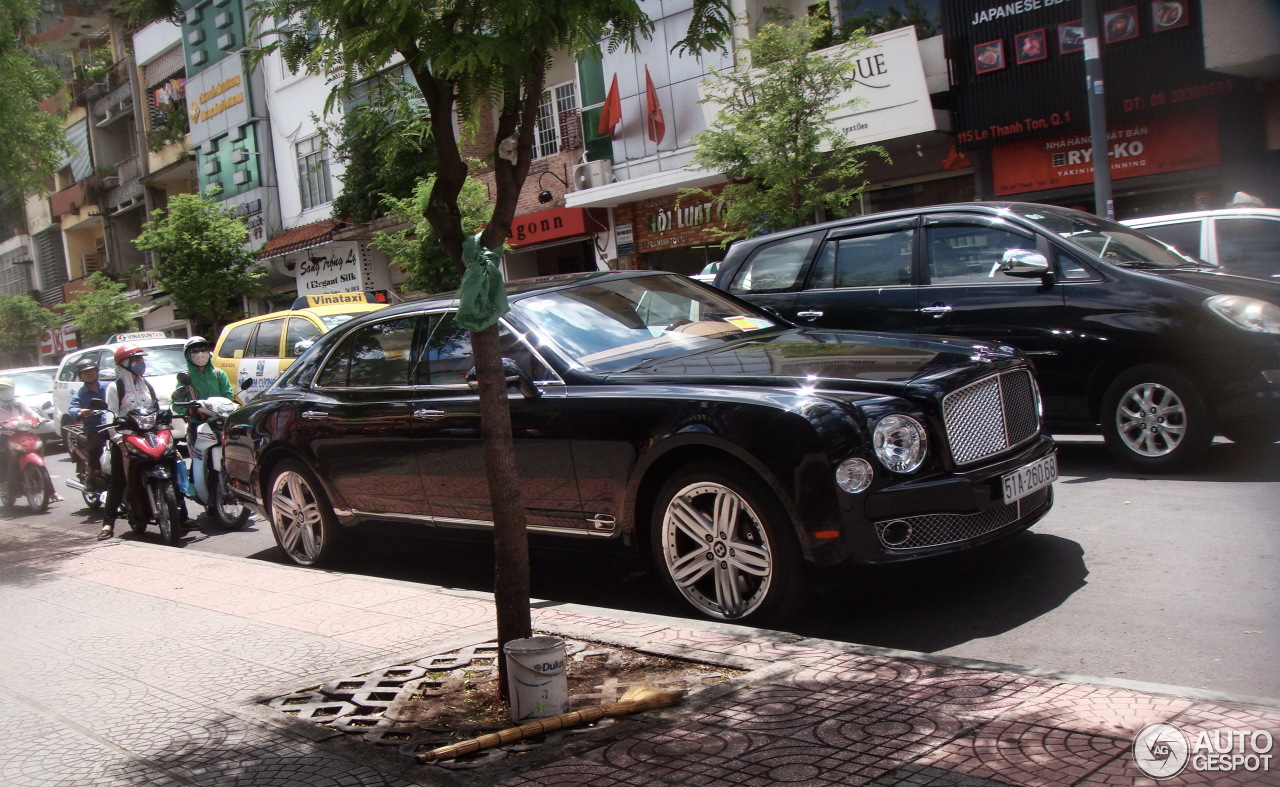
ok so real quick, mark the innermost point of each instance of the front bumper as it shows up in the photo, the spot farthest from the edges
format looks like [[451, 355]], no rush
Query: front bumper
[[941, 513]]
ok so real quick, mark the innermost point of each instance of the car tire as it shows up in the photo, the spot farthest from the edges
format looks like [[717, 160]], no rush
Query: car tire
[[301, 517], [1154, 419], [724, 545]]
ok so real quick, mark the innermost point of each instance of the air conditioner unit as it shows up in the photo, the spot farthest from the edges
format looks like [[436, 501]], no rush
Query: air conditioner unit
[[592, 174], [90, 262]]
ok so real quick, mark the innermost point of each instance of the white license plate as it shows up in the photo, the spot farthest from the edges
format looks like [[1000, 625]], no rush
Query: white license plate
[[1030, 478]]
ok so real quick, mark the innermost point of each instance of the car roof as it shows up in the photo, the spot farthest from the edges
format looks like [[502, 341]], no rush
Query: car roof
[[26, 369], [1234, 213], [318, 311], [143, 343]]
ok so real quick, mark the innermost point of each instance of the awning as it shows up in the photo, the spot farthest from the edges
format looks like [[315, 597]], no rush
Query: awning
[[659, 184], [305, 237]]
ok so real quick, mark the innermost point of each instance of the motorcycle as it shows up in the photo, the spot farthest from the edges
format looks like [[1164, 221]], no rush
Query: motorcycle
[[151, 468], [92, 485], [208, 481], [28, 476]]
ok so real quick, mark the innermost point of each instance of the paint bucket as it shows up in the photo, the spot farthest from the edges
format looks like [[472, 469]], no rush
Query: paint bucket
[[536, 678]]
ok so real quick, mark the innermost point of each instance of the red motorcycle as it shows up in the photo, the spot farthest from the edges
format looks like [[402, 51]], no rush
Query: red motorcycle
[[150, 470], [28, 476]]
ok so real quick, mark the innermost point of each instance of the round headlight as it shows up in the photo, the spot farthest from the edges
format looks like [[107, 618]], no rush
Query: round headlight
[[900, 443], [854, 475]]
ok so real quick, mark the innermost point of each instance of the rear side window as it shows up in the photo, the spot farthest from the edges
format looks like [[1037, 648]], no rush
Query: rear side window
[[372, 355], [68, 372], [775, 267], [1183, 236], [235, 342], [881, 259], [266, 342], [971, 254], [301, 334], [1249, 246]]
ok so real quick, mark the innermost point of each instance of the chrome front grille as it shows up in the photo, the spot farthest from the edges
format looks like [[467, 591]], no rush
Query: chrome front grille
[[992, 415], [931, 530]]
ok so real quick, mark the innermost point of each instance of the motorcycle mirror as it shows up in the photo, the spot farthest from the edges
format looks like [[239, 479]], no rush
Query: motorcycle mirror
[[246, 383], [97, 404], [184, 378]]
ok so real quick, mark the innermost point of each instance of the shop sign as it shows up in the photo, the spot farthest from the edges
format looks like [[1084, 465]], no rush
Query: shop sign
[[556, 224], [670, 222], [889, 88], [1146, 148], [58, 341], [217, 100], [624, 239], [344, 266]]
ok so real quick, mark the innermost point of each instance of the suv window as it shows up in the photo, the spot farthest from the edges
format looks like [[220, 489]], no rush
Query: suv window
[[971, 254], [372, 355], [266, 342], [1183, 236], [775, 267], [1249, 246], [237, 340], [300, 330], [865, 261]]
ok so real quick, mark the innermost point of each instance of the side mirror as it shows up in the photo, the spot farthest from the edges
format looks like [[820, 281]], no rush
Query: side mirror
[[246, 383], [515, 377], [184, 378], [107, 375], [97, 404], [1024, 264]]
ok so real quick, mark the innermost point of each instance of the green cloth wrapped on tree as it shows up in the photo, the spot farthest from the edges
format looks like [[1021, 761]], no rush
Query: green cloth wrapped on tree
[[483, 296]]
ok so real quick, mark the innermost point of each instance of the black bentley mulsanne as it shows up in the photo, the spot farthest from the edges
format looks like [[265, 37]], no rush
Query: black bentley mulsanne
[[657, 411]]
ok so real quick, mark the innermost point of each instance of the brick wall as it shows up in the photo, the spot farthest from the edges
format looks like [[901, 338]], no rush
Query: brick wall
[[659, 223]]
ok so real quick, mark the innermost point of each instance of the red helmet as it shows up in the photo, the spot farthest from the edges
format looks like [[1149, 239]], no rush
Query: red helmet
[[127, 351]]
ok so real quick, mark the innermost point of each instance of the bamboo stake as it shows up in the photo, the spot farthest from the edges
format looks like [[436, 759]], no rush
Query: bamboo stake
[[634, 700]]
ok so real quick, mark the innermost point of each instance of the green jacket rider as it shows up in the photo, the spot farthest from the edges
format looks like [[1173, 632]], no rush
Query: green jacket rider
[[207, 380]]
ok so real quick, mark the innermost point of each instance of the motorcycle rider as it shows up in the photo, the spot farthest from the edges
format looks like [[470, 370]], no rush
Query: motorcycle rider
[[207, 381], [92, 389], [129, 392], [14, 408]]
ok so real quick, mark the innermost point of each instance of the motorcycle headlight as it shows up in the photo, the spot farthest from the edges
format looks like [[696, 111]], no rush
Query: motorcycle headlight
[[145, 421], [1250, 314], [900, 443]]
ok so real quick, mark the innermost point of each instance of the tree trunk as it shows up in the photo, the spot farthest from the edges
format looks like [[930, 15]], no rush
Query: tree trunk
[[511, 542]]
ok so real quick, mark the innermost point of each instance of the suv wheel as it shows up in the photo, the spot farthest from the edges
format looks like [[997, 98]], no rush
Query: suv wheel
[[1154, 420]]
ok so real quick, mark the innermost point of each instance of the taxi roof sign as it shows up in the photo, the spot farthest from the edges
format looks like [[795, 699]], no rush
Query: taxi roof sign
[[339, 298], [134, 336]]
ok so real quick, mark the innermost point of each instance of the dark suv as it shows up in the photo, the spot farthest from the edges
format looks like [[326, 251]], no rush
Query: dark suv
[[1161, 350]]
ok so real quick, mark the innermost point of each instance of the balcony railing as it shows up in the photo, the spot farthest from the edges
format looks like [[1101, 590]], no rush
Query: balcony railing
[[75, 197]]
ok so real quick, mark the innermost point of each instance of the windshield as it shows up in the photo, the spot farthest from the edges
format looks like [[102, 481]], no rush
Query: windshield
[[332, 321], [1115, 243], [164, 360], [623, 324], [32, 383]]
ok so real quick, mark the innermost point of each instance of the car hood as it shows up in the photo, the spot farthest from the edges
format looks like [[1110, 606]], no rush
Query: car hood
[[840, 359], [1223, 283]]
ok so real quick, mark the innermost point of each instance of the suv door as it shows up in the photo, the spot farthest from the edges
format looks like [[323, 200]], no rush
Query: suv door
[[965, 294], [861, 279]]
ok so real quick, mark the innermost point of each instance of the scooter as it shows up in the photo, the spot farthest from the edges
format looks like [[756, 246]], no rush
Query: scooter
[[92, 485], [208, 481], [150, 470], [28, 476]]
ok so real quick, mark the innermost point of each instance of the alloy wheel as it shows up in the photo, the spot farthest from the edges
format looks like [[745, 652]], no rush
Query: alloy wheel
[[296, 518], [716, 550], [1151, 419]]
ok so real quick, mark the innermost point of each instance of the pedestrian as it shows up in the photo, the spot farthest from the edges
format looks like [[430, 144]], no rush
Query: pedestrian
[[12, 407], [81, 411]]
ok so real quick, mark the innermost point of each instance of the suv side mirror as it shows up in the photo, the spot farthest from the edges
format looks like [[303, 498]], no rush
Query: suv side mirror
[[1024, 264]]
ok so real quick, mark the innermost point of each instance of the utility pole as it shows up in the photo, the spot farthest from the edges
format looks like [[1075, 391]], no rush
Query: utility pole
[[1102, 202]]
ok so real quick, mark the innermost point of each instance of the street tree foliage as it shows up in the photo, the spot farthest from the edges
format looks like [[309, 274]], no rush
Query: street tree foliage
[[382, 144], [23, 322], [34, 141], [474, 59], [201, 259], [787, 165], [100, 310], [417, 250]]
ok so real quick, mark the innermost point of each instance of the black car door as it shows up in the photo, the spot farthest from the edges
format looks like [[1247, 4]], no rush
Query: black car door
[[358, 420], [964, 293], [448, 437], [861, 279]]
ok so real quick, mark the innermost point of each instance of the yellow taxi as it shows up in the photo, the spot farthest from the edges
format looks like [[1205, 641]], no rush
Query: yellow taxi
[[260, 348]]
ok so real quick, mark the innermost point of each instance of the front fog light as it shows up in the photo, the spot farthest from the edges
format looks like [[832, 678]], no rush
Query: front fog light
[[900, 443], [854, 475]]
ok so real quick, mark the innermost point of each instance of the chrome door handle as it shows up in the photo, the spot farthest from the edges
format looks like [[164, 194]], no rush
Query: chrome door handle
[[428, 415], [936, 311], [809, 315], [314, 415]]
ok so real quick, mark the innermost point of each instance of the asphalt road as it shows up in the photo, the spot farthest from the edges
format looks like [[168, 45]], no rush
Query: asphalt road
[[1171, 580]]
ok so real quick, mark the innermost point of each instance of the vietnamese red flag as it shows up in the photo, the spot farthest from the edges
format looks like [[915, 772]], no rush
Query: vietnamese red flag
[[654, 124], [611, 112]]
